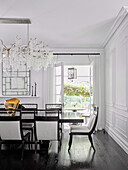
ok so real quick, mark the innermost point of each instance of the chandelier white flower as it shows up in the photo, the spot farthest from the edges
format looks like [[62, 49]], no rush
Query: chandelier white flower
[[36, 55]]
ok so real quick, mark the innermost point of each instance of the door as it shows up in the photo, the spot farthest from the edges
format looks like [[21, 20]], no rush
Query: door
[[59, 83]]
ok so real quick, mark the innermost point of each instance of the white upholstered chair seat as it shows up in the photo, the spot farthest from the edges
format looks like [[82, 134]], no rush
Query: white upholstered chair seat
[[82, 129], [85, 128]]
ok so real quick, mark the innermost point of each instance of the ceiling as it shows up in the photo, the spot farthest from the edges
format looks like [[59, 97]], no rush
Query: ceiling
[[61, 23]]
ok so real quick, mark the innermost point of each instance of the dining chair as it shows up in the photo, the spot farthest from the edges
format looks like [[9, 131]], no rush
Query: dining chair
[[11, 131], [28, 111], [46, 128], [55, 106], [86, 129]]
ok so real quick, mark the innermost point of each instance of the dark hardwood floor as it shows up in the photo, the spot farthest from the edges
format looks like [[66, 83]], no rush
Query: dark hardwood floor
[[108, 156]]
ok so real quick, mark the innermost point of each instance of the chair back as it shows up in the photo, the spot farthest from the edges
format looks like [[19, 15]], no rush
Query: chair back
[[46, 127], [93, 120], [28, 110], [53, 106], [10, 128], [29, 106]]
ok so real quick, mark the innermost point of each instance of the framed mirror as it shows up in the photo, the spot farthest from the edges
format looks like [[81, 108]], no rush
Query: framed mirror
[[15, 82]]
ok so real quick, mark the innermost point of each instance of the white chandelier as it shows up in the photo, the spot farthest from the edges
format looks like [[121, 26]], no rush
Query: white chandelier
[[36, 55]]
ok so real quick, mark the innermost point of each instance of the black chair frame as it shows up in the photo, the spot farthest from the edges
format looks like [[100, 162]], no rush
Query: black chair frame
[[29, 110], [55, 108]]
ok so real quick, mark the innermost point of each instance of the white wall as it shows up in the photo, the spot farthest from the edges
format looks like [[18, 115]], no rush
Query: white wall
[[116, 85]]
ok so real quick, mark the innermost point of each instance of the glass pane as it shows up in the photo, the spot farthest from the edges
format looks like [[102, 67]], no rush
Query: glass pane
[[7, 85], [14, 73], [6, 74], [17, 83], [58, 70], [3, 88], [58, 90], [22, 74], [4, 80], [7, 80], [58, 80], [66, 70]]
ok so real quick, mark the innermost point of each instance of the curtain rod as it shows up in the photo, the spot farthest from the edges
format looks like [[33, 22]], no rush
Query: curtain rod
[[76, 53]]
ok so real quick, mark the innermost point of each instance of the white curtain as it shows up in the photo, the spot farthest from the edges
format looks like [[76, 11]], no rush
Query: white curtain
[[98, 86], [49, 81]]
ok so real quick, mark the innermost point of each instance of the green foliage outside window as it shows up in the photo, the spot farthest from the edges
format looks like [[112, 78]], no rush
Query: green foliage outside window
[[74, 89], [77, 94]]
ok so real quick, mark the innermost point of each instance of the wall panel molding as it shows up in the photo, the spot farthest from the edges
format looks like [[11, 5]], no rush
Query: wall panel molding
[[109, 117], [121, 107], [117, 138], [116, 71], [121, 125], [121, 65]]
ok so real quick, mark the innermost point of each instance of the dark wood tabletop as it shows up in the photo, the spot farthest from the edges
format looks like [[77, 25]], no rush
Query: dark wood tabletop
[[61, 120], [29, 116]]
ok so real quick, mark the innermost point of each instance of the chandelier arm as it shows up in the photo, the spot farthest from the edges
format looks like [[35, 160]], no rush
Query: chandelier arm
[[18, 38], [3, 44]]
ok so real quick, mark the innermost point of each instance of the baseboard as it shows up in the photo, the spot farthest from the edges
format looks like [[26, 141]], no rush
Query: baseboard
[[123, 144]]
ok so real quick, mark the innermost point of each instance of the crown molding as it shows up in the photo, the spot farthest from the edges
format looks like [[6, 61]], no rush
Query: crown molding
[[77, 50], [119, 19], [75, 46]]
